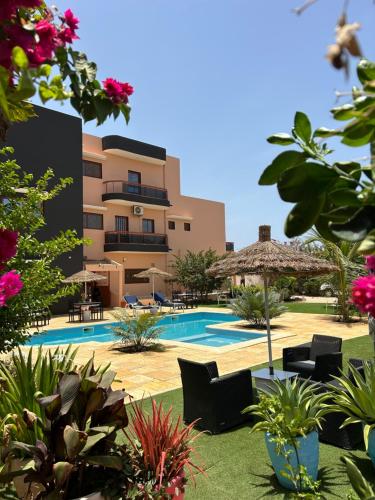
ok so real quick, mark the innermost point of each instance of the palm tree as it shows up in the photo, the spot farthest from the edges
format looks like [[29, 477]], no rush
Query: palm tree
[[344, 255]]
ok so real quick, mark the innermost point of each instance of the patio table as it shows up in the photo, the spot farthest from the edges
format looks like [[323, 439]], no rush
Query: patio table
[[85, 309], [263, 379]]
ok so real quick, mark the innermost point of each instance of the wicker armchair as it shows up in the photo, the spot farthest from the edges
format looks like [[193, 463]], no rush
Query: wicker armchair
[[216, 401], [318, 360]]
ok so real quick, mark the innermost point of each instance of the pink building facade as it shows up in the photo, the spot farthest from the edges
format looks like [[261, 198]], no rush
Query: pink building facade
[[136, 217]]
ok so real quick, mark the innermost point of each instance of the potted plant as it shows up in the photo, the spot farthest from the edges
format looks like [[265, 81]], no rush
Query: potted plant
[[161, 451], [355, 396], [290, 416]]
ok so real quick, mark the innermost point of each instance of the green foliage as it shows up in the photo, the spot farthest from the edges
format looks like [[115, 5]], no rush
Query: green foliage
[[28, 375], [138, 332], [354, 396], [344, 255], [286, 286], [191, 272], [23, 199], [238, 290], [362, 488], [250, 306], [292, 409], [338, 197], [79, 425]]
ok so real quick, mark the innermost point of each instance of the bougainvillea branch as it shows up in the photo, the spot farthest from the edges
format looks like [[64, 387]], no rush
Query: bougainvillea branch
[[10, 282], [37, 56]]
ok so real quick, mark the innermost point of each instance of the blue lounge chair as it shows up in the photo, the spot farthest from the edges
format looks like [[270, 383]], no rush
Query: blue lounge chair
[[133, 303], [164, 302]]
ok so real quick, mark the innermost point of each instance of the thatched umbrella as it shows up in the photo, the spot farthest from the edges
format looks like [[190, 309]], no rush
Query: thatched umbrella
[[270, 259], [151, 273], [84, 277]]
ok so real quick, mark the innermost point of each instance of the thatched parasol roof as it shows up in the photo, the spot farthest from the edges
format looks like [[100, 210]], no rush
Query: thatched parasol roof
[[84, 277], [271, 258], [153, 271]]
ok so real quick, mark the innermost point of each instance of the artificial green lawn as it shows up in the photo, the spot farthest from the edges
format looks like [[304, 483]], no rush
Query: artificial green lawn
[[237, 463], [309, 307]]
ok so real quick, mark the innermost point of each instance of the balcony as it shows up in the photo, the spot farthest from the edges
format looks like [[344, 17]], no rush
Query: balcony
[[123, 241], [130, 193]]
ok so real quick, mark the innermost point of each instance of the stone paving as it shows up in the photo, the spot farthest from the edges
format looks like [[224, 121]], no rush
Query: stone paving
[[149, 373]]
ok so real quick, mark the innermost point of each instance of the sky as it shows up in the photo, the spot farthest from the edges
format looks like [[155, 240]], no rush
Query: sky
[[213, 79]]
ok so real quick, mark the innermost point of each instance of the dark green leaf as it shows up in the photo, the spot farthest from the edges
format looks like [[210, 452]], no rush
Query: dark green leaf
[[303, 216], [281, 139], [357, 228], [365, 70], [344, 112], [282, 162], [306, 180], [348, 197], [61, 472], [358, 134], [358, 482], [326, 132], [110, 461], [302, 126], [68, 388], [74, 441]]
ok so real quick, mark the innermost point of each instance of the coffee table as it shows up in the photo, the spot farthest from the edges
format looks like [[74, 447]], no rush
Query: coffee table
[[263, 379]]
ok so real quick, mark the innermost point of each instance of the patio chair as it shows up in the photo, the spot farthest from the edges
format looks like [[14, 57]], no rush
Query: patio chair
[[97, 311], [331, 432], [164, 302], [319, 360], [74, 311], [216, 401]]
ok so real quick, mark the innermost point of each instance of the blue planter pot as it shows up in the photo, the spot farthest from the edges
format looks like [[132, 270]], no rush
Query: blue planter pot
[[371, 446], [307, 455]]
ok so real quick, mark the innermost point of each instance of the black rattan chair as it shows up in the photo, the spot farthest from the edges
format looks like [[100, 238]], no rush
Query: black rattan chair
[[319, 360], [216, 401]]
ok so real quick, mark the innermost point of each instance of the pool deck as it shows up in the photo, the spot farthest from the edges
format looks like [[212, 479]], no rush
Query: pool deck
[[149, 373]]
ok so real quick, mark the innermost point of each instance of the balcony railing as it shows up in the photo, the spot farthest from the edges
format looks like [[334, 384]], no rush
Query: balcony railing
[[135, 192], [141, 242]]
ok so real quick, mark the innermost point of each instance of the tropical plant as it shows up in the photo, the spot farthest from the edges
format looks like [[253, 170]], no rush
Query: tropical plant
[[350, 265], [335, 197], [362, 488], [36, 56], [161, 448], [79, 425], [191, 272], [250, 306], [138, 332], [354, 396], [286, 286], [35, 260], [291, 410], [27, 376]]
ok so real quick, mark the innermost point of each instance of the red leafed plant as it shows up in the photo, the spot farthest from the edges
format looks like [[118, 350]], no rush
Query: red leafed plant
[[161, 447]]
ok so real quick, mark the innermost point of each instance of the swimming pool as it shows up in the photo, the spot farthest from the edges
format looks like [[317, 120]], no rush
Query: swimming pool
[[192, 328]]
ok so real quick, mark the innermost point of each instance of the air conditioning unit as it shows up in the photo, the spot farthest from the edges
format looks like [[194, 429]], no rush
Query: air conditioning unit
[[137, 210]]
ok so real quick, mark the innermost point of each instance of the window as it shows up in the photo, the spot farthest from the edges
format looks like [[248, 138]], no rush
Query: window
[[148, 226], [187, 226], [131, 279], [171, 224], [92, 169], [92, 221], [134, 178], [121, 223]]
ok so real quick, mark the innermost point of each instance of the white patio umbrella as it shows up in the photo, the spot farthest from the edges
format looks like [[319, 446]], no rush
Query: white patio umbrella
[[270, 259], [84, 277], [151, 273]]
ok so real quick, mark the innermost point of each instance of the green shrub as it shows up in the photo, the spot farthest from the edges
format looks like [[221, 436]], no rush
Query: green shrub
[[137, 333], [250, 306], [28, 376]]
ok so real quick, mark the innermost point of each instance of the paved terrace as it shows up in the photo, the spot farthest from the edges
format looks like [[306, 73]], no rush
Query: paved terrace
[[149, 373]]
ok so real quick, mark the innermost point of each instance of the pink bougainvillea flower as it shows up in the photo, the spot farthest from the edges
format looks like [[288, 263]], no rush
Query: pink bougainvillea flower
[[363, 294], [67, 35], [9, 7], [370, 262], [10, 285], [116, 91], [8, 244], [47, 35], [71, 20]]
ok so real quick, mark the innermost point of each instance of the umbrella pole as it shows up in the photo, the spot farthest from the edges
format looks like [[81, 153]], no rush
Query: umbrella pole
[[153, 286], [267, 310], [85, 290]]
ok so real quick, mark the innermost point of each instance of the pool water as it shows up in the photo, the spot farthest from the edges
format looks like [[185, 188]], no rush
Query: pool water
[[192, 328]]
